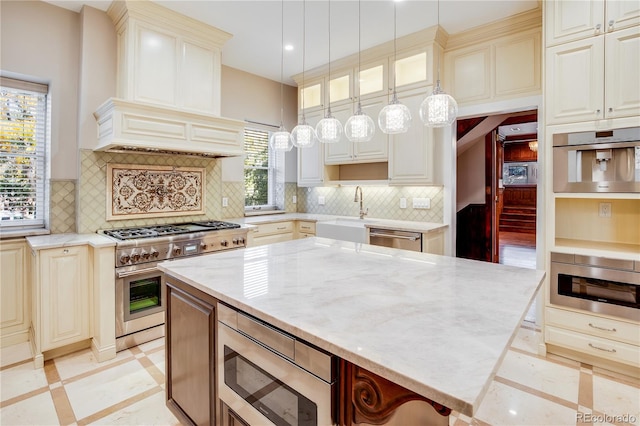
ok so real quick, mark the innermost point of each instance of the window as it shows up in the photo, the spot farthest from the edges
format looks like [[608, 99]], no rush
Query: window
[[23, 124], [263, 172]]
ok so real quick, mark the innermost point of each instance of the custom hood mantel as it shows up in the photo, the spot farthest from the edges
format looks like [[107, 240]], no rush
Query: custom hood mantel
[[168, 86]]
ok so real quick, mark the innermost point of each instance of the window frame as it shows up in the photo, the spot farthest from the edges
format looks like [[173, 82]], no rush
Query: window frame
[[275, 174], [41, 154]]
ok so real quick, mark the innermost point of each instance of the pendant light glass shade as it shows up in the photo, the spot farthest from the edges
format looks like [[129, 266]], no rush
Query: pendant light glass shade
[[438, 109], [303, 135], [360, 127], [281, 140], [329, 129], [394, 118]]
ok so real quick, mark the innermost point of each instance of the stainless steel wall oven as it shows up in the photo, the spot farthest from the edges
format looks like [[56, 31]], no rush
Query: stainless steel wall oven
[[596, 284]]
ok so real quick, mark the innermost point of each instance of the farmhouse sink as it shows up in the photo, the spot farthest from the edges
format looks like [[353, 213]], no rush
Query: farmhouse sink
[[344, 229]]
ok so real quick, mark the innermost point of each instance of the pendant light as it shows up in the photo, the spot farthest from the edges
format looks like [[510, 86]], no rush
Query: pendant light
[[438, 109], [281, 140], [329, 129], [303, 135], [359, 127], [394, 118]]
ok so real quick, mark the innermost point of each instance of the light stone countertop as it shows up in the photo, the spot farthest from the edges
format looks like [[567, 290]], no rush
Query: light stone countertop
[[436, 325], [404, 225], [67, 240]]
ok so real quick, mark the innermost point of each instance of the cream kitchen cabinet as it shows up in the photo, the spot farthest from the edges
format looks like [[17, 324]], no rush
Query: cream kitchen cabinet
[[311, 160], [433, 242], [168, 59], [411, 154], [568, 21], [305, 229], [311, 95], [594, 79], [347, 152], [14, 313], [61, 298], [274, 232]]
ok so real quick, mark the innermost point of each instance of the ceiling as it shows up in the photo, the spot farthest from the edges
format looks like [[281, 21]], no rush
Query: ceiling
[[257, 31]]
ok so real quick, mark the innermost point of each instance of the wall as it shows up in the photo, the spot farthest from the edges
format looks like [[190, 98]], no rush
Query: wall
[[383, 202], [470, 176], [40, 42]]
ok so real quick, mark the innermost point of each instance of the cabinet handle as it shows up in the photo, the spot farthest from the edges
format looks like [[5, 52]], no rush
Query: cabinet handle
[[613, 330], [597, 112], [613, 351], [281, 228], [611, 22], [65, 251], [598, 27]]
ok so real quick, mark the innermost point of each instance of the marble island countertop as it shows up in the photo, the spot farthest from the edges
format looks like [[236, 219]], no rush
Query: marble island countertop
[[405, 225], [436, 325]]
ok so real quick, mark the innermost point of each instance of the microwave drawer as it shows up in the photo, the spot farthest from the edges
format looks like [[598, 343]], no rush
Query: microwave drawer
[[594, 346], [594, 325]]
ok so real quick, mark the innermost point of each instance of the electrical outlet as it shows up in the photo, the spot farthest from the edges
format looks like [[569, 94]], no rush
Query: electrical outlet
[[294, 199], [403, 203], [422, 203], [321, 200], [225, 202], [604, 210]]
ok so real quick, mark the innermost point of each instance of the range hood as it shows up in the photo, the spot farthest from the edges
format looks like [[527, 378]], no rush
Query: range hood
[[168, 86]]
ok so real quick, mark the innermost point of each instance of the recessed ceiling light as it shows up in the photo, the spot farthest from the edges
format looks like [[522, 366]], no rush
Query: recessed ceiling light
[[288, 47]]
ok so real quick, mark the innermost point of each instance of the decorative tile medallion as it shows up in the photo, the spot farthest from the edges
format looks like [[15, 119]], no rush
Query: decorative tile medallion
[[135, 191]]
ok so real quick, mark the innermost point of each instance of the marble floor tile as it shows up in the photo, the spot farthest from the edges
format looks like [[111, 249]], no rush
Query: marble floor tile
[[540, 375], [527, 340], [614, 398], [108, 387], [158, 360], [84, 361], [150, 411], [21, 379], [37, 410], [506, 406]]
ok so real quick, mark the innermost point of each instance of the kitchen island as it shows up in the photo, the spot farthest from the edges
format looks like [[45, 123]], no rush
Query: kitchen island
[[437, 326]]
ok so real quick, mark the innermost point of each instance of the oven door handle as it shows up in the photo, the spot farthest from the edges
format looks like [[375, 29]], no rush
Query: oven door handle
[[136, 272], [400, 237]]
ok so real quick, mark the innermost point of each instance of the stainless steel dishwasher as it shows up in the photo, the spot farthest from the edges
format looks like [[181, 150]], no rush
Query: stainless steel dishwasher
[[394, 238]]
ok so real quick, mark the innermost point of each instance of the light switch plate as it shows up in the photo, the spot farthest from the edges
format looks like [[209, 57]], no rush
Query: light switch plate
[[422, 203], [321, 200], [403, 203], [225, 202]]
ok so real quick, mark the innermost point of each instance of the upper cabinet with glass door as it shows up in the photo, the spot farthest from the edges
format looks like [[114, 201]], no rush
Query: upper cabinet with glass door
[[372, 79], [413, 69], [311, 95]]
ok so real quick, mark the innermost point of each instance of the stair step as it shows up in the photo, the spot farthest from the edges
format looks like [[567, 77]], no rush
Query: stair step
[[522, 217], [515, 228]]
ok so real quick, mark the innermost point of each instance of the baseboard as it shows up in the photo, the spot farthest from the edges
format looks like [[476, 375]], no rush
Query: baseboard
[[103, 353]]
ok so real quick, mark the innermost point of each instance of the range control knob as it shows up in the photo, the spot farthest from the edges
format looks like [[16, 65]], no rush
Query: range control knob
[[224, 243], [235, 241], [203, 246], [124, 258], [241, 240], [177, 251], [145, 255], [154, 253], [135, 257]]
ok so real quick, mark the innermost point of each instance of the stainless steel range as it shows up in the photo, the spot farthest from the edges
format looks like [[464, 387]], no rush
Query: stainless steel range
[[140, 290]]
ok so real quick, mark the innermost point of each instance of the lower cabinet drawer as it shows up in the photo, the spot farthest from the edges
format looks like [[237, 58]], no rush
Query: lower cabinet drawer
[[596, 326], [594, 346], [270, 239], [273, 228], [306, 227]]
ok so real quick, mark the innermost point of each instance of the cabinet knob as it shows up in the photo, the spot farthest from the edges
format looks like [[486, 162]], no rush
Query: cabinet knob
[[610, 109], [598, 27], [611, 22], [597, 112], [65, 251]]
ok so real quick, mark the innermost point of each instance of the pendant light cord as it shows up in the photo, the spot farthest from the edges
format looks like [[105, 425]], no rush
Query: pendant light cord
[[281, 64], [329, 84], [304, 38], [395, 66], [359, 31], [437, 30]]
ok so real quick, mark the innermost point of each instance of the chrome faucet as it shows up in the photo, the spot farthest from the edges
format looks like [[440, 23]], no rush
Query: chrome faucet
[[355, 200]]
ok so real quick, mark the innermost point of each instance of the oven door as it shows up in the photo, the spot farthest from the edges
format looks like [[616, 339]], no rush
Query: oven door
[[140, 299], [267, 389]]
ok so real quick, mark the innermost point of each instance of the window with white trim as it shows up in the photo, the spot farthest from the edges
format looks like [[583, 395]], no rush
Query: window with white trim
[[263, 172], [23, 143]]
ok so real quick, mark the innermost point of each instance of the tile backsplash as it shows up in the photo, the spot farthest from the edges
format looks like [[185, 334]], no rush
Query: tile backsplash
[[62, 214], [383, 202]]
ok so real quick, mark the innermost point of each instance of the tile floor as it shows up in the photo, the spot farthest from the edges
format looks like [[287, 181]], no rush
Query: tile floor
[[129, 390]]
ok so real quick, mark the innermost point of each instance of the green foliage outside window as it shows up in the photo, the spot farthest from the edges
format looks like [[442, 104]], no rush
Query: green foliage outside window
[[256, 167]]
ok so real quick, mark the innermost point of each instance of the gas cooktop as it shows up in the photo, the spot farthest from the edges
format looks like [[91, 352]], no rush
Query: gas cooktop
[[153, 231]]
